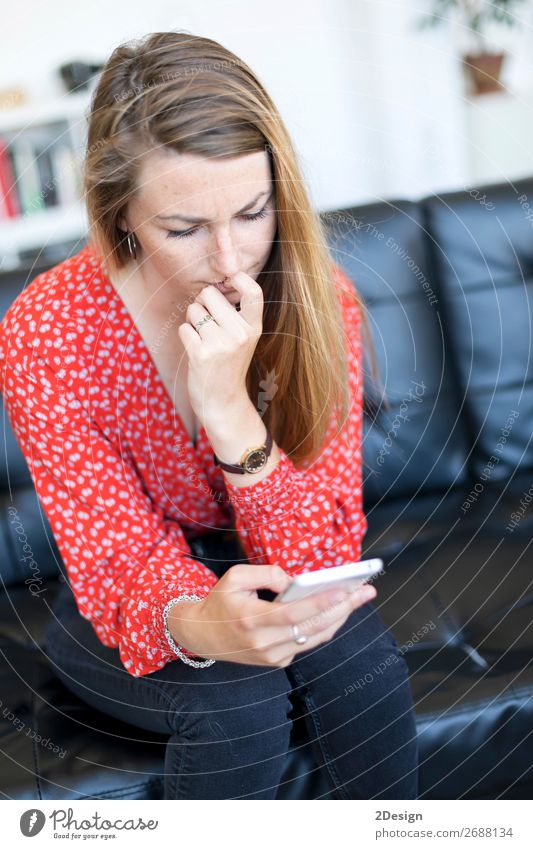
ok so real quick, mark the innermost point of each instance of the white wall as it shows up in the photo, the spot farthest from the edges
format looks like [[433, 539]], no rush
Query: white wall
[[374, 106]]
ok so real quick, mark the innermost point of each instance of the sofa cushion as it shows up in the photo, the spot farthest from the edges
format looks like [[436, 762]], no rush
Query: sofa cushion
[[28, 550], [482, 247], [420, 442], [461, 607]]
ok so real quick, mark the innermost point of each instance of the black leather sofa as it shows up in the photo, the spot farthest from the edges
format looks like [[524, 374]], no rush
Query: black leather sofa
[[448, 486]]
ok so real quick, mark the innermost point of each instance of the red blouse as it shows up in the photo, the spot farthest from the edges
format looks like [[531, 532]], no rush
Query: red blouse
[[120, 480]]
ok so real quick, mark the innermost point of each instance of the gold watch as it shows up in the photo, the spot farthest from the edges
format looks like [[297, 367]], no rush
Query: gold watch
[[252, 461]]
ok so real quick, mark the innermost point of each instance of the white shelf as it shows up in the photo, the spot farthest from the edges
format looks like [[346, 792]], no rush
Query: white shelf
[[70, 107], [49, 226]]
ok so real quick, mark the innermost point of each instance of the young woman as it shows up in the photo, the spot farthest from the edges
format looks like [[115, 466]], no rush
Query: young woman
[[187, 390]]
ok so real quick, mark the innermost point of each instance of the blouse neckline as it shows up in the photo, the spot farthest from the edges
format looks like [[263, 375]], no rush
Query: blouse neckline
[[141, 344]]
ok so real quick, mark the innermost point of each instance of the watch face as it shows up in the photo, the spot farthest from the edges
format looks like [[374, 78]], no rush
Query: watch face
[[256, 460]]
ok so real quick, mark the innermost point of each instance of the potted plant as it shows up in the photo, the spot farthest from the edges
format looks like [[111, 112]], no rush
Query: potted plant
[[482, 64]]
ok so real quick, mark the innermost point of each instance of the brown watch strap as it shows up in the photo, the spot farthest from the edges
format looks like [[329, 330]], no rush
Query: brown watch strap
[[238, 468]]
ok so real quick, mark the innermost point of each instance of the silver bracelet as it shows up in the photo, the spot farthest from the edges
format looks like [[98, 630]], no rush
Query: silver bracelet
[[174, 646]]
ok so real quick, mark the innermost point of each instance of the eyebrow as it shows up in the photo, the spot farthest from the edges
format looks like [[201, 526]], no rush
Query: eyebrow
[[190, 219]]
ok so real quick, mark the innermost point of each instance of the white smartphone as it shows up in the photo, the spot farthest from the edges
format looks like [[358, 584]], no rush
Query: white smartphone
[[347, 576]]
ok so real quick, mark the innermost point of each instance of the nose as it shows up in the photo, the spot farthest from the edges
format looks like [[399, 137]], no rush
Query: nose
[[225, 255]]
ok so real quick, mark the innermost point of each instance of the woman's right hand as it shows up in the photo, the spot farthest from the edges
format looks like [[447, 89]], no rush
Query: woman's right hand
[[233, 624]]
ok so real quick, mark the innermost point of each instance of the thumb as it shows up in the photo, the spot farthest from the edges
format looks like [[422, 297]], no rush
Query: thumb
[[245, 576]]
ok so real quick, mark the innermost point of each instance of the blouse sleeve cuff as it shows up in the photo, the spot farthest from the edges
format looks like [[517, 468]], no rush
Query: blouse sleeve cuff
[[161, 606], [257, 498], [183, 653]]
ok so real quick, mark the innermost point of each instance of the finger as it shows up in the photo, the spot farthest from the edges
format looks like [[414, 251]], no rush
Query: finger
[[315, 641], [294, 612], [282, 615], [220, 308], [282, 635], [190, 338], [330, 622], [252, 302], [245, 576], [321, 635], [334, 615], [199, 313], [283, 652], [259, 617]]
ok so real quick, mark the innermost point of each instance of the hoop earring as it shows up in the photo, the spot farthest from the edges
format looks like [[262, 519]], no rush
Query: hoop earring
[[132, 245]]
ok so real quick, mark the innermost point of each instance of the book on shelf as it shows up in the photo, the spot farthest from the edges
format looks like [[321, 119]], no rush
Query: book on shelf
[[38, 170], [9, 202]]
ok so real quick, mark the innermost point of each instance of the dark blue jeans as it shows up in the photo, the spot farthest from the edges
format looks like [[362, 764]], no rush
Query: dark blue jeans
[[228, 723]]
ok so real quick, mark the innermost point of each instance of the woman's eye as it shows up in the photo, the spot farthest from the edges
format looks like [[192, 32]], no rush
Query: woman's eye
[[179, 234], [183, 234]]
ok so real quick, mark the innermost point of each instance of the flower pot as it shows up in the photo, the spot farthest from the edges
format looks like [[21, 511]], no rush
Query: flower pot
[[484, 70]]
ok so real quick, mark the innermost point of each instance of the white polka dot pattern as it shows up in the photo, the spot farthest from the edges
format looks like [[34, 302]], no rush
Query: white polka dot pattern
[[119, 479]]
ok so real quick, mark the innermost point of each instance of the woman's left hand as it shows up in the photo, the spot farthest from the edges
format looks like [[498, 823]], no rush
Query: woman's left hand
[[220, 351]]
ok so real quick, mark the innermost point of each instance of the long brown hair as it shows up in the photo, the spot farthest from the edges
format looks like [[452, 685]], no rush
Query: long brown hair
[[192, 95]]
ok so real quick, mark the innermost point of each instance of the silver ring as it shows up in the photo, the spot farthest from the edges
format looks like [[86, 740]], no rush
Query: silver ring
[[298, 638], [207, 317]]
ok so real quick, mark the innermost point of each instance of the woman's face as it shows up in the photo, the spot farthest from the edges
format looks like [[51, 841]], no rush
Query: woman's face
[[198, 220]]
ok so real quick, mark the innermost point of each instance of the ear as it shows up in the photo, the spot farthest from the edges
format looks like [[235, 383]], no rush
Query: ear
[[122, 220]]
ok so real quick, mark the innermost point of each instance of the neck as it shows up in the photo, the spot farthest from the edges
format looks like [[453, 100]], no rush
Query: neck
[[157, 314]]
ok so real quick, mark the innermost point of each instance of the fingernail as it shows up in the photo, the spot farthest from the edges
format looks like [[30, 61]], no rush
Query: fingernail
[[368, 593]]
